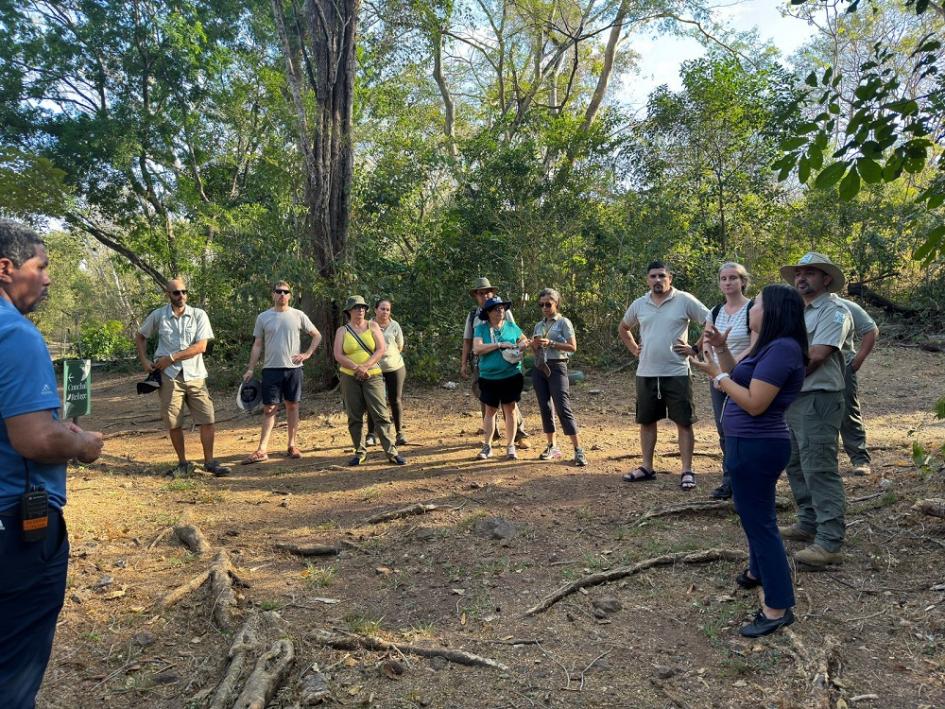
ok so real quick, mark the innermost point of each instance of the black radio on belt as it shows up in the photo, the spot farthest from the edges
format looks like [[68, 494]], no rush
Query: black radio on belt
[[34, 511]]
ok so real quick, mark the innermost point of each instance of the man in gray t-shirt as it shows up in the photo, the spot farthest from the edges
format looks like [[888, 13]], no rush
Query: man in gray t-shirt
[[278, 331], [663, 386]]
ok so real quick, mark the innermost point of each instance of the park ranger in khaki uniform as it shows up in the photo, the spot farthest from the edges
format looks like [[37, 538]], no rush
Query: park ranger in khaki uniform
[[816, 415]]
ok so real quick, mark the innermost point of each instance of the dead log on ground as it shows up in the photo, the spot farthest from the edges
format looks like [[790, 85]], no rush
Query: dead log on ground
[[246, 641], [309, 549], [178, 593], [703, 506], [816, 666], [876, 300], [934, 506], [351, 641], [270, 671], [192, 538], [222, 576], [682, 557], [417, 509]]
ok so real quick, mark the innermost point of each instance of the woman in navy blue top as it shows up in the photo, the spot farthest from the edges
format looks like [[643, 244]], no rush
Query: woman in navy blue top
[[758, 391]]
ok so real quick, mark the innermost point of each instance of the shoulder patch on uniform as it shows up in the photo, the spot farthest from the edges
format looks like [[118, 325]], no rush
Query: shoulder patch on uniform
[[840, 316]]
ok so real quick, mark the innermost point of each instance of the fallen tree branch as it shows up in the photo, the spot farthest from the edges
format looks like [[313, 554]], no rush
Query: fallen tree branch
[[816, 666], [222, 575], [683, 557], [178, 593], [309, 549], [417, 509], [192, 538], [270, 671], [351, 641], [703, 506], [164, 532], [246, 641], [934, 506]]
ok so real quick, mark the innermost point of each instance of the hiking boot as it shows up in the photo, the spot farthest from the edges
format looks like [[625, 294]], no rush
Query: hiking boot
[[370, 440], [510, 453], [796, 533], [722, 492], [580, 459], [485, 453], [551, 452], [861, 470], [816, 555]]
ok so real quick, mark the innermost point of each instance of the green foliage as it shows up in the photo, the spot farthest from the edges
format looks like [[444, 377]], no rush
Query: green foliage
[[105, 341], [888, 133]]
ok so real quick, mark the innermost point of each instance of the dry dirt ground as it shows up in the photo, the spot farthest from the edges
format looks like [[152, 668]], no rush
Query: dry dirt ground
[[870, 634]]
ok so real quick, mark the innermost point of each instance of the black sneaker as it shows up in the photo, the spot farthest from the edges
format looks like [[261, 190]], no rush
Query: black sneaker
[[182, 470], [747, 582], [763, 625], [401, 441], [215, 467], [358, 458], [722, 492]]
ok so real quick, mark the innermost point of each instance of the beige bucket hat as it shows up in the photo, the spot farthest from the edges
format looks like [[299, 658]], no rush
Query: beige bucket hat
[[819, 261], [481, 284]]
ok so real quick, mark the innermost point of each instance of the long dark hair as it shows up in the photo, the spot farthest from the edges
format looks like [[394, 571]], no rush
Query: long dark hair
[[783, 312]]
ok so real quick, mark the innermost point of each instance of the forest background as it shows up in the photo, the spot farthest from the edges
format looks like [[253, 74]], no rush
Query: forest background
[[196, 137]]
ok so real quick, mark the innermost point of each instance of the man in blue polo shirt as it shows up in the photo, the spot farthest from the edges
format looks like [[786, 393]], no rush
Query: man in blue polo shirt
[[34, 448]]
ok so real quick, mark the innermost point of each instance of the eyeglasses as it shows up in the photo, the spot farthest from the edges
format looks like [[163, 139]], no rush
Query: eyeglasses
[[281, 291], [178, 292], [545, 305]]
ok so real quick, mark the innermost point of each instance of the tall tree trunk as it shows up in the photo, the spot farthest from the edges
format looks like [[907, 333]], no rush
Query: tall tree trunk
[[326, 43]]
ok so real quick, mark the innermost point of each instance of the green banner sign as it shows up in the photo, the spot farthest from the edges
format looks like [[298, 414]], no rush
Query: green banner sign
[[76, 388]]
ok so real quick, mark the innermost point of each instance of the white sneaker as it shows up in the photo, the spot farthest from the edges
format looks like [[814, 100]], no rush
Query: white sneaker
[[580, 459], [551, 452], [485, 453], [510, 453]]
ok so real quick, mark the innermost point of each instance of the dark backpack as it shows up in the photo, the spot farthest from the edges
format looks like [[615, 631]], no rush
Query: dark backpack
[[718, 308]]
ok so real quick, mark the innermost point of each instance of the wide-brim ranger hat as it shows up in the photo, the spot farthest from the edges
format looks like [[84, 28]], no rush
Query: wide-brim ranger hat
[[481, 284], [353, 301], [151, 384], [812, 259], [493, 302], [249, 395]]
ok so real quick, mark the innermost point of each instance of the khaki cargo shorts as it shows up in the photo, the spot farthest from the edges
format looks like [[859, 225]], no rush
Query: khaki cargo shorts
[[175, 392]]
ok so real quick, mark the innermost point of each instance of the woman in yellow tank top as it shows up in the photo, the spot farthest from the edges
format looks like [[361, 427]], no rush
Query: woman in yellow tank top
[[359, 345]]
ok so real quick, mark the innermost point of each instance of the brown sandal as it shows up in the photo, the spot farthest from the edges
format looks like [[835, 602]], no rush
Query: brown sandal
[[258, 456], [294, 452]]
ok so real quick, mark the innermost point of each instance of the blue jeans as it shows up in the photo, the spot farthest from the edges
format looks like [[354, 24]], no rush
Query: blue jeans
[[755, 465], [32, 590]]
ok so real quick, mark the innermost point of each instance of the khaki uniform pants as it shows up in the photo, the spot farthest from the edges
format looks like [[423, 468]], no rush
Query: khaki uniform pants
[[814, 419], [365, 396]]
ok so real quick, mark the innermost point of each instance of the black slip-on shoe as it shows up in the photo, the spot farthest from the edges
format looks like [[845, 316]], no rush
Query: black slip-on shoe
[[763, 625]]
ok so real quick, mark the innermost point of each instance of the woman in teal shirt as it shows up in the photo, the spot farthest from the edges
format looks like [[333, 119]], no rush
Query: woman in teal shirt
[[498, 343]]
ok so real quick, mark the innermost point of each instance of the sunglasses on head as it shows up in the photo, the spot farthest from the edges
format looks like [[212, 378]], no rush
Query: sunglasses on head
[[281, 291], [178, 292]]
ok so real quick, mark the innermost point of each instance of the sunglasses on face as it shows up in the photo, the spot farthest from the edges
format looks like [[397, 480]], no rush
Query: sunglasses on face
[[547, 304], [359, 307], [178, 292], [281, 291]]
